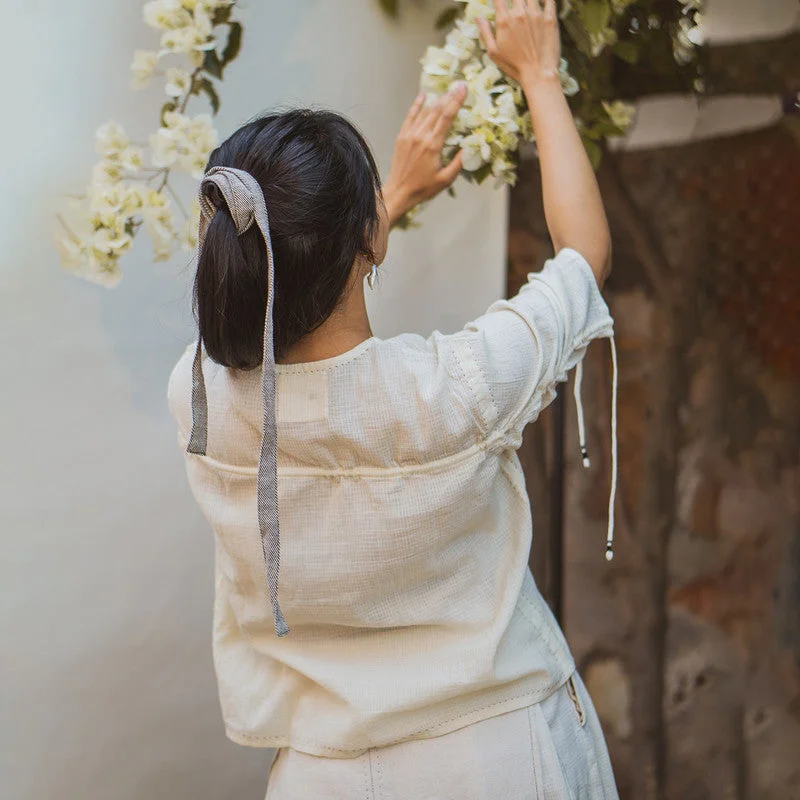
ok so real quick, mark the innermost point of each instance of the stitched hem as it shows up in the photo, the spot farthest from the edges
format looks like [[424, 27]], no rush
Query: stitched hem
[[441, 728]]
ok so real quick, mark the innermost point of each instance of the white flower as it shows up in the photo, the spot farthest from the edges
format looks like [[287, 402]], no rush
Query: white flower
[[166, 146], [105, 172], [620, 113], [478, 8], [120, 198], [91, 249], [178, 81], [687, 36], [110, 139], [192, 39], [599, 41], [166, 14], [159, 221], [460, 41], [184, 142], [438, 61], [144, 62], [112, 238], [569, 85], [476, 151], [504, 172], [130, 159]]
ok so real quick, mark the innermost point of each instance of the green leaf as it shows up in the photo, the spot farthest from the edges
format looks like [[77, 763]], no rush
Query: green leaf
[[234, 43], [212, 65], [446, 18], [626, 50], [594, 151], [170, 105], [451, 191], [603, 129], [595, 15], [205, 85], [389, 6], [578, 34], [221, 15], [482, 173]]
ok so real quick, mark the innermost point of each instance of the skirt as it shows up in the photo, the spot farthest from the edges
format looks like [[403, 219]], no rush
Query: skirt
[[550, 750]]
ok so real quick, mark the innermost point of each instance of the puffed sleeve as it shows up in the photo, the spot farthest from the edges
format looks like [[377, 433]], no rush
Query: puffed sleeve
[[513, 355]]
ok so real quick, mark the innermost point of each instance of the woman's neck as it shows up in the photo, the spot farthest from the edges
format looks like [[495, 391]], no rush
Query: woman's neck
[[344, 329]]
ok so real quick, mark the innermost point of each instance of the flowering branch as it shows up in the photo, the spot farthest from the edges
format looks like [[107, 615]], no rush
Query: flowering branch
[[121, 198], [600, 40]]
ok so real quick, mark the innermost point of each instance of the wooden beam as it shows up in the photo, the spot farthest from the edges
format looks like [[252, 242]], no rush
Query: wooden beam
[[765, 66]]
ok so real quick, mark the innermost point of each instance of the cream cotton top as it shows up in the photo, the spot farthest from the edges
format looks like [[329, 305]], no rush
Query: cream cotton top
[[405, 525]]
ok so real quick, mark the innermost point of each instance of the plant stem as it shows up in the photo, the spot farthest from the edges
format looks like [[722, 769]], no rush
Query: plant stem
[[177, 200], [184, 102]]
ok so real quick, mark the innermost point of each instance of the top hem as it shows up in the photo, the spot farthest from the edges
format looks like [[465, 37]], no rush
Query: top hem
[[449, 725]]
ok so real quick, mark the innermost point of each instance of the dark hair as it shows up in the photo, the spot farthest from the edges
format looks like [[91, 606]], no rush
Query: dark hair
[[319, 179]]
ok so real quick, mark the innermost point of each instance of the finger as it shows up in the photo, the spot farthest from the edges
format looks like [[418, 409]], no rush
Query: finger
[[534, 8], [424, 116], [455, 99], [434, 111], [414, 110], [449, 173], [518, 6], [501, 10], [485, 30], [550, 11]]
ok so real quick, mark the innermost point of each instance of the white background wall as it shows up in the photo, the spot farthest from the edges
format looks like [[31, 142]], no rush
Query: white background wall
[[108, 684]]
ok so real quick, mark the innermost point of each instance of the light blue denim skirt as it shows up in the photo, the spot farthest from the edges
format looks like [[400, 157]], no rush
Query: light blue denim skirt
[[551, 750]]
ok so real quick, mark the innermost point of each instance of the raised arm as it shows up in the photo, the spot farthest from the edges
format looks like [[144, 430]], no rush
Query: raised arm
[[526, 44]]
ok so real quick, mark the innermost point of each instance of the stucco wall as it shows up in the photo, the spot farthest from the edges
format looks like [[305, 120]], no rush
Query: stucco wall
[[105, 616]]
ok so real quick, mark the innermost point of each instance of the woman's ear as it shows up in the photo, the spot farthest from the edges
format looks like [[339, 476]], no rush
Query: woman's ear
[[380, 242]]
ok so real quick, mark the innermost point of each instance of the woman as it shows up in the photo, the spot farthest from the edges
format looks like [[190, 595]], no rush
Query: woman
[[392, 642]]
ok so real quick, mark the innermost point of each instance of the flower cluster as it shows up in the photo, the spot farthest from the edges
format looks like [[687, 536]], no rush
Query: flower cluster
[[494, 116], [126, 194], [495, 119], [184, 142], [187, 27]]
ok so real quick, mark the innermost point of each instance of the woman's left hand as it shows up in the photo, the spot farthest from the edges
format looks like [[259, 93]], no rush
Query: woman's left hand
[[417, 173]]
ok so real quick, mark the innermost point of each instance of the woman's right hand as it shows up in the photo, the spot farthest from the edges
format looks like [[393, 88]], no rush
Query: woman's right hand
[[417, 173], [526, 42]]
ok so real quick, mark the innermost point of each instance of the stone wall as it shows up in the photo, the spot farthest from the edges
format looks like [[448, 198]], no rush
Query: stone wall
[[689, 641]]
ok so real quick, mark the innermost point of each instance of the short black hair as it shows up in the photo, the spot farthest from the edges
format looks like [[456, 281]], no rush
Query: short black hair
[[320, 184]]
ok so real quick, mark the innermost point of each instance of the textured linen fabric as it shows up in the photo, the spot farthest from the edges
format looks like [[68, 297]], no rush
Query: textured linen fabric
[[406, 526], [551, 750]]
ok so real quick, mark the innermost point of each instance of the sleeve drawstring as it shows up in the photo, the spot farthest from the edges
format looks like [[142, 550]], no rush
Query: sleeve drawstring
[[582, 437]]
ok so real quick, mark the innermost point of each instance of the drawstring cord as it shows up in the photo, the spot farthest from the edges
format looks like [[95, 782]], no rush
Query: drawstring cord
[[582, 437]]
